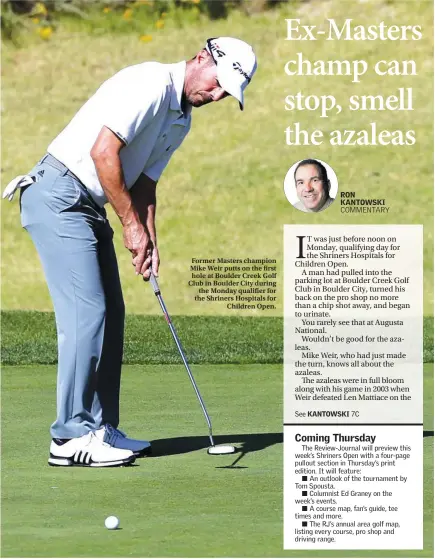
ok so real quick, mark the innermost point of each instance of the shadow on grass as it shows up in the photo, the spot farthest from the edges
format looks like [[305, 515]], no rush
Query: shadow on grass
[[245, 443]]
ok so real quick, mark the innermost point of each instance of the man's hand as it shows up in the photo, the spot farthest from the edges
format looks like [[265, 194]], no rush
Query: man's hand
[[137, 241], [155, 262], [151, 263], [136, 208]]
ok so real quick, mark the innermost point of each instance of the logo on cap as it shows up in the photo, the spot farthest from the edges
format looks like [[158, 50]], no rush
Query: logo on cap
[[236, 66], [215, 48]]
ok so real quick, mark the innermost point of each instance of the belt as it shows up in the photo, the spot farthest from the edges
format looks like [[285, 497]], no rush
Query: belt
[[53, 162]]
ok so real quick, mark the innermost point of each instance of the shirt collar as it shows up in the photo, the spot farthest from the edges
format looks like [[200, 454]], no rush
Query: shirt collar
[[178, 73]]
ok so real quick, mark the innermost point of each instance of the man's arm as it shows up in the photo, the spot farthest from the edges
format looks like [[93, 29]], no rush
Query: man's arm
[[105, 155], [143, 194]]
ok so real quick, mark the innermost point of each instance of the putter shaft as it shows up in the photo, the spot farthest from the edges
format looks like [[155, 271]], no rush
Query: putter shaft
[[157, 293]]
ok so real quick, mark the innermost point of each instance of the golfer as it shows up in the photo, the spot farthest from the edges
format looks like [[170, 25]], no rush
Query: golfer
[[312, 186], [113, 150]]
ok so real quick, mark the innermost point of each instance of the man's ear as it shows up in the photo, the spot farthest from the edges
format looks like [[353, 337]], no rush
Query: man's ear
[[202, 56]]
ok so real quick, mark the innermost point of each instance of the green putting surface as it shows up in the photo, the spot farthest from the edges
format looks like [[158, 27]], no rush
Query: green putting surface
[[179, 503]]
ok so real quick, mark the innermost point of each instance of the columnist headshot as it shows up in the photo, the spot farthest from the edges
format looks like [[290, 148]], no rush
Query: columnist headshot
[[310, 185]]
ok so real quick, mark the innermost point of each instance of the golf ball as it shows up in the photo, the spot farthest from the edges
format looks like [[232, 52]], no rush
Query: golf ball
[[112, 522]]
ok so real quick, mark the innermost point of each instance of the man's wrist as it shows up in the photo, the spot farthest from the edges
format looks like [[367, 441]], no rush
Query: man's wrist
[[131, 219]]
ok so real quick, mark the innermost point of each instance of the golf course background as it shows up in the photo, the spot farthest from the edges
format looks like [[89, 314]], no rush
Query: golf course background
[[221, 196]]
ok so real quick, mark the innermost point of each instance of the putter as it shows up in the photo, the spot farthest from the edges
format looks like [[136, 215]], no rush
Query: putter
[[213, 449]]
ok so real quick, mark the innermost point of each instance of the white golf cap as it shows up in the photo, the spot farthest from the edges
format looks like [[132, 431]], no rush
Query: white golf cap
[[236, 64]]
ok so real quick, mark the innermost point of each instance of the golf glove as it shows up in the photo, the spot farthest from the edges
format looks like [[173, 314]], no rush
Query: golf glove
[[18, 182]]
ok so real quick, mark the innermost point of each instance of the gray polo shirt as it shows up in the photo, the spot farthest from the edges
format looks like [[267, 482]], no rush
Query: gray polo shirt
[[141, 104]]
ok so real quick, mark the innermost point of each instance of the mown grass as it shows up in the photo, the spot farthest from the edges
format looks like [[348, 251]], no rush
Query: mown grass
[[30, 337], [180, 502], [222, 194]]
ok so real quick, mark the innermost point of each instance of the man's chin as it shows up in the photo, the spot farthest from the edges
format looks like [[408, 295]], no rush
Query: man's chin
[[198, 102], [312, 205]]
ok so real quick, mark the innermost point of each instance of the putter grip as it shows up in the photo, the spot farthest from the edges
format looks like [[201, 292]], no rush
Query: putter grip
[[154, 283]]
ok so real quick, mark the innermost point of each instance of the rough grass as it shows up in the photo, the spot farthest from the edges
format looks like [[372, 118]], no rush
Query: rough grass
[[222, 194], [30, 337]]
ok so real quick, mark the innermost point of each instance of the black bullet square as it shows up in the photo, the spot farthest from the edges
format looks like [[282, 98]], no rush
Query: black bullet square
[[304, 478], [304, 493], [304, 524], [304, 508]]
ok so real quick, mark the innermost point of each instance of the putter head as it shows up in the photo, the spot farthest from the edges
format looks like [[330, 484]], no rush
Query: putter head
[[221, 449]]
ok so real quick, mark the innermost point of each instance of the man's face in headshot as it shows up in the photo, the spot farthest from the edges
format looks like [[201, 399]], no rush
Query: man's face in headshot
[[310, 188]]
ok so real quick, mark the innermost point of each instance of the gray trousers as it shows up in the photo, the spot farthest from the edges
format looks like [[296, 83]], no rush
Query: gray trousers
[[74, 241]]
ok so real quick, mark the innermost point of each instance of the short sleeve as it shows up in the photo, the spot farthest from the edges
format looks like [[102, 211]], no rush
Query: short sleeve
[[132, 101]]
